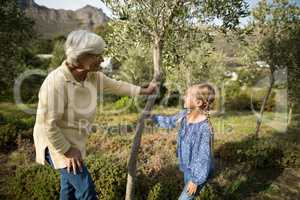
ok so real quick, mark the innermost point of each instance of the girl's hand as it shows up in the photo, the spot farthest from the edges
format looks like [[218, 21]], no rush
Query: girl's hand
[[191, 188]]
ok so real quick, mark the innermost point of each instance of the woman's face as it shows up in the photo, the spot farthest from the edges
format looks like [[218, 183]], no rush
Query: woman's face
[[90, 62], [190, 100]]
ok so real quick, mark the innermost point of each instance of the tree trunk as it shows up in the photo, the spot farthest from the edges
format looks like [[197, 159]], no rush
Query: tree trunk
[[262, 108], [290, 116], [132, 162]]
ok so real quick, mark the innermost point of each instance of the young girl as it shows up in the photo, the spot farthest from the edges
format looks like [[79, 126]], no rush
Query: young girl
[[195, 138]]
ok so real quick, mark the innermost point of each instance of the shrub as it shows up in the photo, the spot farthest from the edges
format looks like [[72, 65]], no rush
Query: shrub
[[126, 103], [35, 182], [170, 189], [12, 126], [8, 134], [165, 189], [207, 193], [109, 177], [258, 153], [291, 157], [238, 99], [232, 190]]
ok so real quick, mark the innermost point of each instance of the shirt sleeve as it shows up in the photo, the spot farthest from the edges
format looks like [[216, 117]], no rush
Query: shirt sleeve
[[52, 98], [109, 85], [167, 121], [201, 157]]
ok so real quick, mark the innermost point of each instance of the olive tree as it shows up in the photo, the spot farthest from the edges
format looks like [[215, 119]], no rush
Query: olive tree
[[276, 30], [164, 24]]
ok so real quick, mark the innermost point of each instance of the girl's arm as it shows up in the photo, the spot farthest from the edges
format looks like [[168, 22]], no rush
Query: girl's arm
[[201, 157], [167, 121]]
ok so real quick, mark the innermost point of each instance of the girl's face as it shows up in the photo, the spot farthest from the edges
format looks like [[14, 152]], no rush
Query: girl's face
[[190, 100]]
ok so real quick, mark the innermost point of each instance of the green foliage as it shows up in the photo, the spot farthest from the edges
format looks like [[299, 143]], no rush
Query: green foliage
[[200, 64], [58, 54], [259, 154], [125, 104], [277, 32], [8, 134], [246, 99], [109, 177], [165, 189], [232, 191], [42, 46], [208, 193], [137, 67], [168, 188], [35, 182], [16, 31], [140, 22], [11, 127], [42, 182], [30, 88]]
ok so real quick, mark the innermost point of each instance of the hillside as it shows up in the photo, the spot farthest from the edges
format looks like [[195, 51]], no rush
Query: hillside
[[54, 22]]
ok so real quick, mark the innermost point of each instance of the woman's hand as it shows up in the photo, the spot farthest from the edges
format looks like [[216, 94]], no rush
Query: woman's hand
[[152, 87], [73, 160], [191, 188]]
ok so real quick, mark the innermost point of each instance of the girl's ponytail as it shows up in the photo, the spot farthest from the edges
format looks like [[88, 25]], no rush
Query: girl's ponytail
[[207, 114], [206, 93]]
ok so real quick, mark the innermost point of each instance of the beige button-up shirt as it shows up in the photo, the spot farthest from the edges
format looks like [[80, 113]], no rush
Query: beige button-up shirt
[[67, 108]]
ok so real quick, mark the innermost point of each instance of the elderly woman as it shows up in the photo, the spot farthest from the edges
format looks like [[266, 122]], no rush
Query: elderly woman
[[67, 97]]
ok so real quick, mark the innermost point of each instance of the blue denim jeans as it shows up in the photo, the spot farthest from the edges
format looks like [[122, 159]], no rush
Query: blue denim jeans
[[75, 187]]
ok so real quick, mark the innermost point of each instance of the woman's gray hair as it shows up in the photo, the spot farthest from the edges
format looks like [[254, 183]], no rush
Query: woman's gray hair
[[80, 42]]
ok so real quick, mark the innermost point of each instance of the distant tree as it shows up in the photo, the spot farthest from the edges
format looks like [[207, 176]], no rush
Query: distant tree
[[15, 34], [277, 31]]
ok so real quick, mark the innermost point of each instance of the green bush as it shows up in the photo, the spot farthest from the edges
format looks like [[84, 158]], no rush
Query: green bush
[[240, 102], [291, 157], [126, 103], [165, 189], [170, 189], [258, 153], [8, 134], [246, 99], [30, 88], [35, 182], [232, 190], [257, 99], [109, 177], [207, 193], [12, 126]]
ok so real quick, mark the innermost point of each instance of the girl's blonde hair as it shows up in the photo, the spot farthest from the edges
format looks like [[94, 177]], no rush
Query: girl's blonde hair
[[206, 93]]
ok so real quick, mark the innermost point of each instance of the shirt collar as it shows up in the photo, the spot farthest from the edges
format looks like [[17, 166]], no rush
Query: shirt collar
[[68, 74]]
